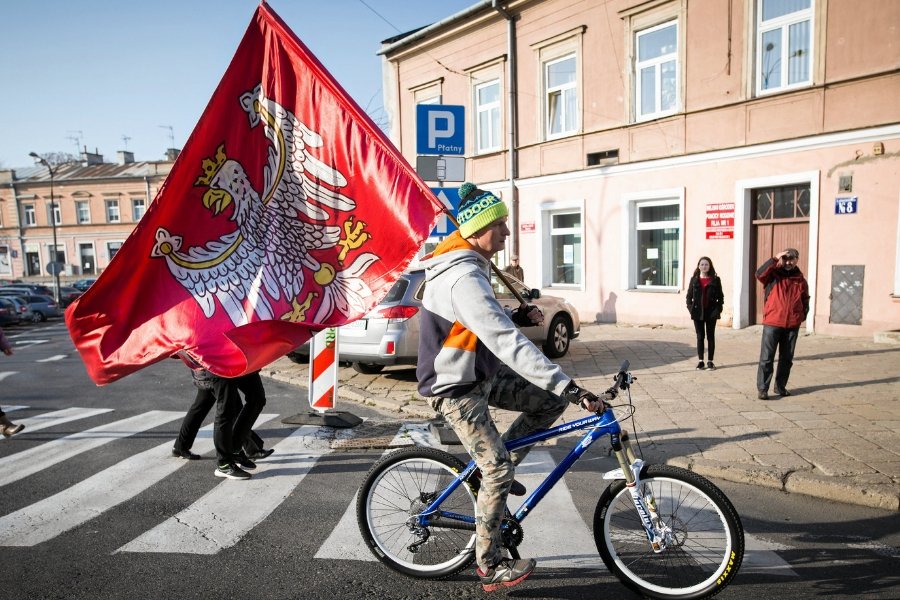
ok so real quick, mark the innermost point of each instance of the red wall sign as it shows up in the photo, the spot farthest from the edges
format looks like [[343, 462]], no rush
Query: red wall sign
[[720, 221], [526, 227]]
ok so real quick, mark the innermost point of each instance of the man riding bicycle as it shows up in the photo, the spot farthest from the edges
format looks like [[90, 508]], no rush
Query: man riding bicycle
[[472, 355]]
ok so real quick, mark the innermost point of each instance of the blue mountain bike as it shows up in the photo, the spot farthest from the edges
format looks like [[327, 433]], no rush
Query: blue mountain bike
[[665, 532]]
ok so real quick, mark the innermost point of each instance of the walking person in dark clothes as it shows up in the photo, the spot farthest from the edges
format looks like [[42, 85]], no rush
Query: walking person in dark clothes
[[7, 427], [232, 435], [787, 304], [705, 301]]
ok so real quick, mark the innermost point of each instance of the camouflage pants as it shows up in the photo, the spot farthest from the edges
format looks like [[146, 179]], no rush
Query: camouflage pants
[[471, 420]]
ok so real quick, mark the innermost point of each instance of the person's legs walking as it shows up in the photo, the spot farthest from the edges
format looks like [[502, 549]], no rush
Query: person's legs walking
[[7, 427], [254, 401], [190, 425], [228, 404]]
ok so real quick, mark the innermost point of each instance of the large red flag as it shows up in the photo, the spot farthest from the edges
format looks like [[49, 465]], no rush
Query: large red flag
[[288, 210]]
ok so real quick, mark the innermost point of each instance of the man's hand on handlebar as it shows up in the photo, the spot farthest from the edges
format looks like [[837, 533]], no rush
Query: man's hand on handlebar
[[584, 398], [527, 315]]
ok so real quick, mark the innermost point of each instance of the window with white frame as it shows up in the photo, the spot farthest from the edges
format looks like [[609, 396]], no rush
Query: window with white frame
[[28, 215], [137, 209], [656, 71], [487, 117], [565, 234], [657, 243], [112, 211], [83, 211], [783, 44], [561, 96], [53, 213]]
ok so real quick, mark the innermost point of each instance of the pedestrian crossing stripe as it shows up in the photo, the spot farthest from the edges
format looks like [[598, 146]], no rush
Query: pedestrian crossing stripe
[[555, 534], [91, 497], [32, 460], [224, 515], [58, 417]]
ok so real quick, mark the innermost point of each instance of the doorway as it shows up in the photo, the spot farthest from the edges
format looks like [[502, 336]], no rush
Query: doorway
[[780, 219]]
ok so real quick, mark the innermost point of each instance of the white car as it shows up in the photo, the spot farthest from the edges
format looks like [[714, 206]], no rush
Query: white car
[[389, 334]]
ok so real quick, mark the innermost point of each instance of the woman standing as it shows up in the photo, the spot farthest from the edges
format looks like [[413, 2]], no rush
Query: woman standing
[[7, 427], [705, 301]]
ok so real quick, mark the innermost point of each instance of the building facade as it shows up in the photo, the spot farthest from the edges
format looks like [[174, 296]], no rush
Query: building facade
[[632, 137], [96, 206]]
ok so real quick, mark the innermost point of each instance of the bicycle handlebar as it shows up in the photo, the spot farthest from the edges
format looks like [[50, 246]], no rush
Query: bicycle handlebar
[[621, 382]]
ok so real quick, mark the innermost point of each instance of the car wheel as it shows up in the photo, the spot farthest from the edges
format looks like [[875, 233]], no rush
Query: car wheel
[[558, 337], [37, 317], [367, 368], [300, 359]]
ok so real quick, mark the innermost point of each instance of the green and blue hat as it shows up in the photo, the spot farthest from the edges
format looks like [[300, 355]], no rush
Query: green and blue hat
[[477, 209]]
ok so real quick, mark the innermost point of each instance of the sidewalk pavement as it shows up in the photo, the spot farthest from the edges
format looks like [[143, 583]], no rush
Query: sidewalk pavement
[[836, 437]]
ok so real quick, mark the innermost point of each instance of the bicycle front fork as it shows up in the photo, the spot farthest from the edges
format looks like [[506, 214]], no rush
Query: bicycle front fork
[[630, 467]]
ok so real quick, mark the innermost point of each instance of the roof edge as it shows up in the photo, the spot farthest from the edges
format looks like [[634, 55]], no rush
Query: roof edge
[[424, 31]]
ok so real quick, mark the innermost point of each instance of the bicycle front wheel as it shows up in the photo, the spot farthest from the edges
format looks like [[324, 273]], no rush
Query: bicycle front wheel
[[705, 539], [395, 491]]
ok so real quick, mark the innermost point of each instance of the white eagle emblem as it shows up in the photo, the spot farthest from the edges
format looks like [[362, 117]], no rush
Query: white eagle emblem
[[267, 257]]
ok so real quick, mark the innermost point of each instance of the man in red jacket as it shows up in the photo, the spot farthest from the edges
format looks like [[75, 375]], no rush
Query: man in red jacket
[[787, 302]]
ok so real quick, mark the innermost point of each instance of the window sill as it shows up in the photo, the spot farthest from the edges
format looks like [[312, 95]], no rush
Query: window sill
[[655, 289]]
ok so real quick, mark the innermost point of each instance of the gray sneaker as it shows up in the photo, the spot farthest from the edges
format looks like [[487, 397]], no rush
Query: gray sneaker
[[506, 573]]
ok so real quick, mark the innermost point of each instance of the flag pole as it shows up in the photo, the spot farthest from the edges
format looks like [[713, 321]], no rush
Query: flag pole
[[496, 269]]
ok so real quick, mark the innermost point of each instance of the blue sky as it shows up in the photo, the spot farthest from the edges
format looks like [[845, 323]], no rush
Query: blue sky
[[98, 70]]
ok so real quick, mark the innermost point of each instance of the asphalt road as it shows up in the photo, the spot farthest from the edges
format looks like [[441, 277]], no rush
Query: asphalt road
[[92, 506]]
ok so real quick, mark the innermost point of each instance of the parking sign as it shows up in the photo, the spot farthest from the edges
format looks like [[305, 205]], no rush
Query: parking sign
[[440, 129]]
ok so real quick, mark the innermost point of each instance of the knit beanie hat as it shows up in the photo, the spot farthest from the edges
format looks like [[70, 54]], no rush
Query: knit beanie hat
[[477, 209]]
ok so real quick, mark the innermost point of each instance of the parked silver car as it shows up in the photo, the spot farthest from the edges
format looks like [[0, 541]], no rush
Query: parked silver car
[[389, 334]]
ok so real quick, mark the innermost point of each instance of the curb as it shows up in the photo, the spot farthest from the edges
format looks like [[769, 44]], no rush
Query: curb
[[799, 482]]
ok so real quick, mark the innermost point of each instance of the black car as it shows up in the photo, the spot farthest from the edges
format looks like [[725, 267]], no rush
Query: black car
[[83, 284]]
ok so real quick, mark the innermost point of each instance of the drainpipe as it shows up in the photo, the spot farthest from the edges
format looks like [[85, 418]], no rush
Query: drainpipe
[[513, 122]]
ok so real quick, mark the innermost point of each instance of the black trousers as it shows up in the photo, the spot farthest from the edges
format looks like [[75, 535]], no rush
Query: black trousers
[[707, 330], [233, 421], [785, 340]]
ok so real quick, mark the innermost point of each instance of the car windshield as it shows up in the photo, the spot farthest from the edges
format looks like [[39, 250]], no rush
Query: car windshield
[[502, 292]]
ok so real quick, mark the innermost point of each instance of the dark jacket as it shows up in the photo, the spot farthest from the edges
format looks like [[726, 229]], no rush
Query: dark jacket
[[715, 299], [787, 295]]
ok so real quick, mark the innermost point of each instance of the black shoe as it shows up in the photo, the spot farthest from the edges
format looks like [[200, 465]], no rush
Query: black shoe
[[506, 573], [782, 392], [260, 454], [517, 489], [244, 462], [700, 366], [185, 454], [763, 395], [231, 471], [711, 366]]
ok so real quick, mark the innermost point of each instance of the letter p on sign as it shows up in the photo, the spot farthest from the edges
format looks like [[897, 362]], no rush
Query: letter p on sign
[[440, 129], [441, 124]]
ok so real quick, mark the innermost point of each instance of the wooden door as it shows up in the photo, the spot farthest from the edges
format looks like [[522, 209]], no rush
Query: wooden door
[[781, 221]]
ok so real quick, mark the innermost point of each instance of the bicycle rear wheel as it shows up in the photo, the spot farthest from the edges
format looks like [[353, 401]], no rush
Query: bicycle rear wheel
[[705, 546], [396, 489]]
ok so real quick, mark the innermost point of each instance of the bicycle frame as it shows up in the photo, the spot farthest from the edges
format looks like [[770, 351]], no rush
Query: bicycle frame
[[599, 425]]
